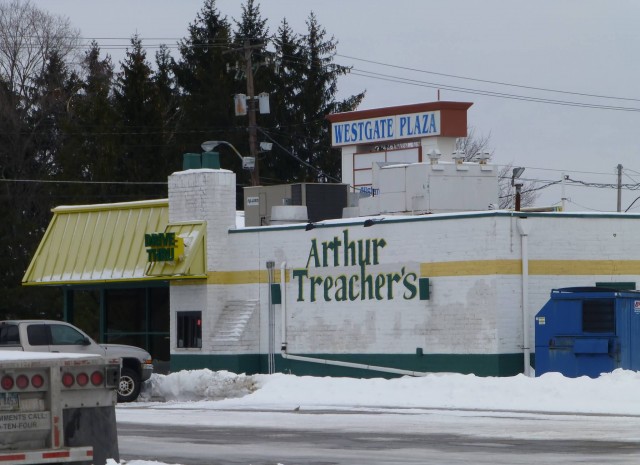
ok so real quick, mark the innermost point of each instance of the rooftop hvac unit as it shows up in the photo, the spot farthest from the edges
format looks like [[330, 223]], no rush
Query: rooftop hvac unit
[[323, 201]]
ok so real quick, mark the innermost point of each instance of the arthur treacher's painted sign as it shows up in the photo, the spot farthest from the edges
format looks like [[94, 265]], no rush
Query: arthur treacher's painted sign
[[386, 128], [343, 270]]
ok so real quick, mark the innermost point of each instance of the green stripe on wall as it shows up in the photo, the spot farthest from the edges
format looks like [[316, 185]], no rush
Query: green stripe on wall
[[478, 364]]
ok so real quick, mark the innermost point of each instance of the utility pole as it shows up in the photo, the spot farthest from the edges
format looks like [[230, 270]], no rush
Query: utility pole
[[247, 48], [251, 109], [619, 188]]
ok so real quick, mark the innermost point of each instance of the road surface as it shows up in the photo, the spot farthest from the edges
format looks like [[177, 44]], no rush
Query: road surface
[[382, 437]]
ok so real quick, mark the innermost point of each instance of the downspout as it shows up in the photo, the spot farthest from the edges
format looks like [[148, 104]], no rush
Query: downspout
[[272, 337], [283, 304], [523, 229], [285, 355]]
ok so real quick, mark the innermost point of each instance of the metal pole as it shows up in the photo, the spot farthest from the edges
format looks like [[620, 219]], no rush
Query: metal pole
[[251, 108], [619, 188], [518, 187], [272, 336], [564, 196], [523, 229]]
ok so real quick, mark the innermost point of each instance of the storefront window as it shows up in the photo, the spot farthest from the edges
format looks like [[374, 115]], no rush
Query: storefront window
[[189, 326]]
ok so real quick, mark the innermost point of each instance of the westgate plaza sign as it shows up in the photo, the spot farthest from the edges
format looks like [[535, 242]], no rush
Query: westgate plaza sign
[[385, 125]]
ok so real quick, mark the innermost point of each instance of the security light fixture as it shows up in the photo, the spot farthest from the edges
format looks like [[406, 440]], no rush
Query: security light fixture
[[517, 172], [266, 146], [248, 163]]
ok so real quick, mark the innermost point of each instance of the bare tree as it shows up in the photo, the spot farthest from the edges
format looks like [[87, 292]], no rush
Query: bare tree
[[34, 49], [28, 37], [476, 146]]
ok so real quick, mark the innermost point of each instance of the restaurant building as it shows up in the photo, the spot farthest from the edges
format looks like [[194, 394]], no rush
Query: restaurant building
[[420, 274]]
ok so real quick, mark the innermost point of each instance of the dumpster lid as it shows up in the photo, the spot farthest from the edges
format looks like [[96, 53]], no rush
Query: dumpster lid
[[593, 290]]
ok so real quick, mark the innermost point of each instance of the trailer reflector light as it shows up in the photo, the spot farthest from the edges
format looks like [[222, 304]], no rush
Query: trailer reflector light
[[22, 381], [56, 455], [68, 380], [97, 378], [37, 381], [82, 379], [7, 382]]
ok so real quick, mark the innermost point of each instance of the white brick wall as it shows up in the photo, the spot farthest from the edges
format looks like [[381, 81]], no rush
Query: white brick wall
[[471, 314]]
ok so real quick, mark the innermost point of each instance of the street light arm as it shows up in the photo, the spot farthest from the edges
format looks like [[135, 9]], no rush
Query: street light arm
[[212, 144], [232, 148]]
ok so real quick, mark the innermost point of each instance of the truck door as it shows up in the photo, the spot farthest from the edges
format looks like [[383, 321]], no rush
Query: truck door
[[64, 338], [38, 337]]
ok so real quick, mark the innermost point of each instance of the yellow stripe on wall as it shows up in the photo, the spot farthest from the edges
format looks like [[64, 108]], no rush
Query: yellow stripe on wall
[[237, 277], [457, 268], [244, 277], [470, 268], [583, 267], [536, 267]]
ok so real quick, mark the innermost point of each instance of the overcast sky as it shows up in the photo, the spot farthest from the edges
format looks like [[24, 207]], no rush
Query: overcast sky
[[574, 46]]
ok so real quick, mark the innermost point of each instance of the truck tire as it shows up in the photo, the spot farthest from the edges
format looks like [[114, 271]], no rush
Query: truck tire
[[129, 386]]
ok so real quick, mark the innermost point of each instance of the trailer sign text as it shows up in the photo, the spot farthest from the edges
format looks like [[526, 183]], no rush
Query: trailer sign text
[[24, 421]]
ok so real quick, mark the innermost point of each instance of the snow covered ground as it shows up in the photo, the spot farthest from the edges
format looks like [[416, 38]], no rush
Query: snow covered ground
[[611, 393], [185, 397]]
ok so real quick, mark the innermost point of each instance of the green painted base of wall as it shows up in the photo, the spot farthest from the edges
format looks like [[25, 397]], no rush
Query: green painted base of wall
[[248, 363], [481, 365]]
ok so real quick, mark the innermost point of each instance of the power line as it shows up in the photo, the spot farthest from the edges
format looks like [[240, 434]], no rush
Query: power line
[[53, 181], [222, 43], [487, 81], [414, 82], [582, 206]]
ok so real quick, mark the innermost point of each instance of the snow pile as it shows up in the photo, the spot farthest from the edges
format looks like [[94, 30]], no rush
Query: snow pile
[[197, 385], [612, 393], [134, 462]]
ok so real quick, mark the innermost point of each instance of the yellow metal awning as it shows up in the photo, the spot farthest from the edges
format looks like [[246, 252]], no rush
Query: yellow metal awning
[[106, 243]]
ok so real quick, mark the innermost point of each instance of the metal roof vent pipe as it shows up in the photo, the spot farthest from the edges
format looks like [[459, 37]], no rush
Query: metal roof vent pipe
[[434, 155]]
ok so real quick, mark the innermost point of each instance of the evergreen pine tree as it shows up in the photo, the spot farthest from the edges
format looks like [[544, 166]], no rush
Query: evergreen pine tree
[[167, 105], [204, 85], [311, 81], [93, 153], [136, 100], [320, 86], [286, 106]]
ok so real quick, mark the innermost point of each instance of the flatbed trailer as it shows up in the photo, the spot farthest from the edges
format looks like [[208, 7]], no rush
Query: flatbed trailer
[[57, 408]]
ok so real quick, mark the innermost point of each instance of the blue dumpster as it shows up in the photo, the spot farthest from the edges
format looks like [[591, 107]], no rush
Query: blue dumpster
[[586, 331]]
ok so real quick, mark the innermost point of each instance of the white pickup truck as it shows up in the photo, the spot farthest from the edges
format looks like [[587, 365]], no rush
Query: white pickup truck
[[59, 336]]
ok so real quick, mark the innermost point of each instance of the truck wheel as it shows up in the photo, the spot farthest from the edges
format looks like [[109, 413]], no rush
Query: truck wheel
[[129, 386]]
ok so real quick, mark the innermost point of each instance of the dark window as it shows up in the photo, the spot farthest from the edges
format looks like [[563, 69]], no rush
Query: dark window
[[65, 335], [9, 335], [598, 316], [189, 329], [125, 310], [38, 335]]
